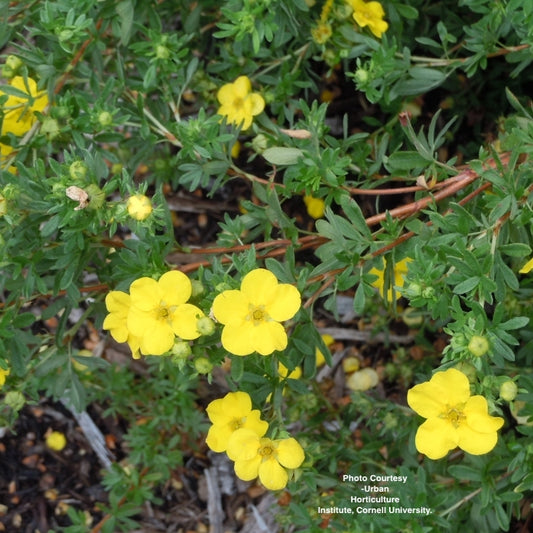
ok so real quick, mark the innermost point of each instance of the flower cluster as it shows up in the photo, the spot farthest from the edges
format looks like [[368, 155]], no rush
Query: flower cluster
[[238, 103], [153, 313], [18, 112], [369, 14], [454, 418], [251, 316], [238, 430]]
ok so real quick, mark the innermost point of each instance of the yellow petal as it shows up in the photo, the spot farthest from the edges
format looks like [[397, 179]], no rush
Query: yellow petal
[[238, 340], [268, 337], [289, 453], [247, 469], [255, 424], [476, 443], [260, 286], [243, 444], [175, 287], [285, 304], [117, 301], [242, 86], [231, 307], [272, 475], [257, 103], [527, 267], [117, 326], [159, 341], [226, 95], [184, 321], [144, 293], [233, 405], [435, 438], [477, 417], [218, 437]]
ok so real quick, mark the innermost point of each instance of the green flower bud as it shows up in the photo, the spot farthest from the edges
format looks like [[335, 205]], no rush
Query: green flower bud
[[50, 127], [428, 293], [259, 143], [205, 326], [15, 400], [203, 365], [116, 168], [12, 64], [105, 119], [96, 196], [508, 391], [478, 346], [65, 35], [77, 170], [197, 288], [181, 350], [162, 52], [361, 76], [3, 205]]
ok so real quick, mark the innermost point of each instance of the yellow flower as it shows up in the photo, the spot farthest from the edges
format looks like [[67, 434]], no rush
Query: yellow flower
[[139, 207], [369, 14], [18, 111], [259, 456], [399, 269], [56, 441], [283, 371], [118, 305], [238, 104], [252, 315], [315, 206], [363, 379], [158, 312], [3, 374], [454, 418], [229, 414], [5, 152], [527, 267], [328, 341]]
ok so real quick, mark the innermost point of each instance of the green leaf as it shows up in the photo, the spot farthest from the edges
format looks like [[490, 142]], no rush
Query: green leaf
[[279, 155], [467, 285], [125, 10], [405, 161]]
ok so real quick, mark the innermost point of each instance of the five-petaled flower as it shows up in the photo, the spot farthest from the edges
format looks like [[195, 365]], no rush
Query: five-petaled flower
[[158, 312], [19, 111], [369, 14], [260, 456], [454, 418], [238, 104], [399, 271], [229, 414], [252, 315]]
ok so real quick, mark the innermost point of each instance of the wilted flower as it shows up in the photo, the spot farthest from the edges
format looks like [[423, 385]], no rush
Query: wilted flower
[[369, 14], [252, 315], [139, 207], [259, 456], [363, 379], [454, 418], [238, 104], [19, 111]]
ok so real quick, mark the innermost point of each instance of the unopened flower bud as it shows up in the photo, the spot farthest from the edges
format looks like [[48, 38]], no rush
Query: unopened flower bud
[[3, 205], [203, 365], [12, 64], [428, 293], [508, 391], [139, 207], [197, 288], [15, 400], [162, 52], [96, 196], [259, 143], [478, 346], [181, 350], [361, 76], [205, 326], [50, 127], [105, 118], [77, 170]]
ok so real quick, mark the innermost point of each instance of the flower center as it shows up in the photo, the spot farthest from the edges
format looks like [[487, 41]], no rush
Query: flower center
[[257, 314], [162, 312], [236, 424], [266, 451], [454, 415], [238, 102]]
